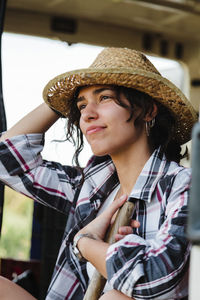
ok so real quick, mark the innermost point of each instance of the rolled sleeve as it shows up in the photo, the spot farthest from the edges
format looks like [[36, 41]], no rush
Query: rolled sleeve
[[21, 153], [23, 169]]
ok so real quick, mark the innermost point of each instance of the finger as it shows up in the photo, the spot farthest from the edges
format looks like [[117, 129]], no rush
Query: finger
[[135, 224], [118, 237], [116, 204], [125, 230], [113, 218]]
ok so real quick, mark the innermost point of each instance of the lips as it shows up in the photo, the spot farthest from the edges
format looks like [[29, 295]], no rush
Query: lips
[[94, 129]]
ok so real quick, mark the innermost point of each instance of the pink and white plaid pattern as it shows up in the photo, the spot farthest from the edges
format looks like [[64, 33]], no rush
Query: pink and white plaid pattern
[[151, 263]]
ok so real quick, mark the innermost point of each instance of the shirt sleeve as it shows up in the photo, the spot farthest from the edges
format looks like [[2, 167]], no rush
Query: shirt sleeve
[[23, 169], [155, 268]]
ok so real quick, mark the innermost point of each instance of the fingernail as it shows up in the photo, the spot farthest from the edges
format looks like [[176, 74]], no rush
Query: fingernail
[[123, 197]]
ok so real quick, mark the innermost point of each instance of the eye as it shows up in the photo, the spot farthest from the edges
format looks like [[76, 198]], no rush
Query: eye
[[106, 97], [81, 106]]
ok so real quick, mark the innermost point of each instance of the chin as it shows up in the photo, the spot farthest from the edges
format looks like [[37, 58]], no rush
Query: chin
[[99, 152]]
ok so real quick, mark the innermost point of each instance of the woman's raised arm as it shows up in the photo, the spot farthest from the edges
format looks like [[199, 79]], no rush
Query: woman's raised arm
[[37, 121]]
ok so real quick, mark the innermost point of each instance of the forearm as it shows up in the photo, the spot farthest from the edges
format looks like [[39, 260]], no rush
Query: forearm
[[95, 252], [37, 121], [113, 294]]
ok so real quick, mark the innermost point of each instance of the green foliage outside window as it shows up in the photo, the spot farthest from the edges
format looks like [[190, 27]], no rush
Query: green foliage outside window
[[17, 226]]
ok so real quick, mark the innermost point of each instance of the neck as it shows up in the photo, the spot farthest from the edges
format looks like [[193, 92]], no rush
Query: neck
[[129, 166]]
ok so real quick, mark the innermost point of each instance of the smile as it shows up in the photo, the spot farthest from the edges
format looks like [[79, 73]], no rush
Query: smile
[[94, 129]]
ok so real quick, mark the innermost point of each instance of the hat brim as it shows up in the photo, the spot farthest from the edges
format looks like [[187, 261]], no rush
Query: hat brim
[[59, 92]]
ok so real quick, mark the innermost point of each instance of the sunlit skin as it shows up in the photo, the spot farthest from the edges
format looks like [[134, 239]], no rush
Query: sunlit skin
[[104, 124]]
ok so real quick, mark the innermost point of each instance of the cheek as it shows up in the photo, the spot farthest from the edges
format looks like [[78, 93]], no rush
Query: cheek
[[120, 119]]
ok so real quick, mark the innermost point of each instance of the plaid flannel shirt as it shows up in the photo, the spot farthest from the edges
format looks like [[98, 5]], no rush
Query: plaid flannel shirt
[[151, 263]]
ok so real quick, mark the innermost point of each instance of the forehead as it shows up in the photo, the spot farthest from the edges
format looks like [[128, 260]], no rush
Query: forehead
[[99, 87]]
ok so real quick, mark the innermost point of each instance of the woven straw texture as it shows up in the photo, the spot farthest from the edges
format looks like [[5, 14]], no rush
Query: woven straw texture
[[129, 68]]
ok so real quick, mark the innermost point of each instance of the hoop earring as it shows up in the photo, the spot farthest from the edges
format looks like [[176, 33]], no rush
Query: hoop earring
[[149, 125]]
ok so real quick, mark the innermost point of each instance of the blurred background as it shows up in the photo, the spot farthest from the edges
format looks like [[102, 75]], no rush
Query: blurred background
[[28, 64], [42, 39]]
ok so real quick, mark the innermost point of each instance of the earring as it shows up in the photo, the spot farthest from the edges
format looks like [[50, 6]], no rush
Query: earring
[[149, 125]]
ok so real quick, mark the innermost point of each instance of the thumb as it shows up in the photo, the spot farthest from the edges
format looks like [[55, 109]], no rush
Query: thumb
[[116, 204]]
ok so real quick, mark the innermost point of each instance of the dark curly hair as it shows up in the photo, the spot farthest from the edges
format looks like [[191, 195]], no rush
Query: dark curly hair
[[160, 135]]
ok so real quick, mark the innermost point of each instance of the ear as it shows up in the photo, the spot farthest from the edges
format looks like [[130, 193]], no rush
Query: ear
[[151, 115]]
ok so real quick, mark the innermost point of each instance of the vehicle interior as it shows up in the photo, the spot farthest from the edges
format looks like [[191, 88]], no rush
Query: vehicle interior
[[163, 28]]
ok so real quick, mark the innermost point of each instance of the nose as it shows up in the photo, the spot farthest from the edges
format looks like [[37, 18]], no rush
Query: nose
[[90, 112]]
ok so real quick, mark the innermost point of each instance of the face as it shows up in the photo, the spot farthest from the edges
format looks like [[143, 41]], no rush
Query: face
[[104, 122]]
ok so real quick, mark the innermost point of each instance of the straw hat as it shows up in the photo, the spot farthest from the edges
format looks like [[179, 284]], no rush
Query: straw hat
[[129, 68]]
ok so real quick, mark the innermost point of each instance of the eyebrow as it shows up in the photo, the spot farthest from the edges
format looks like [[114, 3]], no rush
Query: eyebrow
[[95, 92]]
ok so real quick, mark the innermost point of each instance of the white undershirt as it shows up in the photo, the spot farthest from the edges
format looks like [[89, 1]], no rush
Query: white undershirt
[[90, 268]]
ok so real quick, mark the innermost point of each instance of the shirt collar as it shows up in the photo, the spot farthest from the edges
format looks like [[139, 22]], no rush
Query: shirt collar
[[101, 171], [151, 173]]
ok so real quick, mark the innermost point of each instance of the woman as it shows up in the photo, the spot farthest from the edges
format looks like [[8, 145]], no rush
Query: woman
[[135, 121]]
